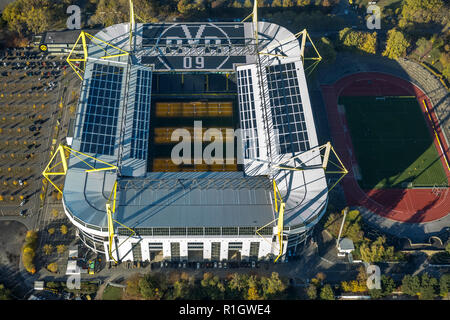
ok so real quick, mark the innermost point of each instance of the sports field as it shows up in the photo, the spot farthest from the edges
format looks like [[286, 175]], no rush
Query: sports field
[[393, 145]]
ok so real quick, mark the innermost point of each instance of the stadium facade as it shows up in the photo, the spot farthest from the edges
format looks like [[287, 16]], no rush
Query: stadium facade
[[194, 215]]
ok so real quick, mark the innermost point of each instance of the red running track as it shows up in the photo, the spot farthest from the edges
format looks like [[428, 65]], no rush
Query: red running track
[[404, 205]]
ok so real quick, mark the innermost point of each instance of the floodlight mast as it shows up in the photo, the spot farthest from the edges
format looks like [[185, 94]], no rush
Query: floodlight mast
[[342, 227]]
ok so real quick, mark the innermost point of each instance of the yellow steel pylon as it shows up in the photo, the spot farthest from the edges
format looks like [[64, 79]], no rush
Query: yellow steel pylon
[[50, 170], [279, 204], [64, 152], [98, 42]]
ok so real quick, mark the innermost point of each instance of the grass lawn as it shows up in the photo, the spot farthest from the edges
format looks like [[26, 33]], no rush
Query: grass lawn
[[392, 143], [112, 293]]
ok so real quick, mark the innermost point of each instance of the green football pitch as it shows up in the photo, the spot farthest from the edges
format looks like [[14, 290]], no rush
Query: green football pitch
[[393, 145]]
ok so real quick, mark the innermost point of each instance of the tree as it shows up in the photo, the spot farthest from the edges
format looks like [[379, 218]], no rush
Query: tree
[[53, 267], [327, 293], [387, 285], [51, 231], [132, 289], [427, 287], [422, 11], [252, 293], [28, 251], [444, 285], [312, 292], [276, 3], [447, 248], [411, 285], [182, 288], [152, 286], [5, 294], [238, 284], [273, 286], [63, 229], [60, 248], [48, 249], [396, 44], [212, 287], [376, 252]]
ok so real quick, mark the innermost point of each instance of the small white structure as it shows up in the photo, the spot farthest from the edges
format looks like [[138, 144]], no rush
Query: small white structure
[[39, 285], [72, 267], [73, 253]]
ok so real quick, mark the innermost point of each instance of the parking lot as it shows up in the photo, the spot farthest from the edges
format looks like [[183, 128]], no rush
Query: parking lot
[[29, 92]]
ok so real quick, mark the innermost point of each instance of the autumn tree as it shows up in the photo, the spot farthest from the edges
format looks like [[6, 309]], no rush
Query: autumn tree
[[327, 293], [272, 286], [53, 267], [396, 44], [63, 229], [60, 248], [29, 251], [48, 249], [152, 286], [312, 291], [212, 286]]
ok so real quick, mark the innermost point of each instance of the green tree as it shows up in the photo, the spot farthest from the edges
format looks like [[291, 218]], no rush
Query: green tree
[[387, 285], [422, 11], [447, 247], [5, 294], [153, 287], [238, 285], [272, 286], [327, 293], [248, 4], [427, 287], [411, 285], [444, 285], [396, 44], [212, 287], [182, 288]]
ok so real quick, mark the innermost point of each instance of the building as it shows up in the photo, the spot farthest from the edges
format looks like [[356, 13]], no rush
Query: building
[[189, 72], [60, 42]]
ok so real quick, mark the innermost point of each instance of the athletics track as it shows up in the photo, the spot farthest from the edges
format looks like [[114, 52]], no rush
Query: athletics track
[[402, 205]]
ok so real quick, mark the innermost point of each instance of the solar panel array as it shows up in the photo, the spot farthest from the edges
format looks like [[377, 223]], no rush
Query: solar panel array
[[286, 106], [247, 113], [139, 137], [102, 108]]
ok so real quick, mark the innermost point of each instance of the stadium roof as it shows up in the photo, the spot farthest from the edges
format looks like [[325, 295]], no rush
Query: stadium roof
[[173, 199], [113, 119]]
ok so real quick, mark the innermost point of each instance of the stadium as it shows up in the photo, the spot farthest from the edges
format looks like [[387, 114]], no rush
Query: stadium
[[141, 82]]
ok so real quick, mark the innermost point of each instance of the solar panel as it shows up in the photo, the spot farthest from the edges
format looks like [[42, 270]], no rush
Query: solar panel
[[102, 108], [247, 113], [286, 105], [141, 117]]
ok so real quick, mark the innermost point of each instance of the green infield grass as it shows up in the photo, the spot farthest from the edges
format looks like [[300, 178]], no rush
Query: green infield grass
[[393, 145]]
